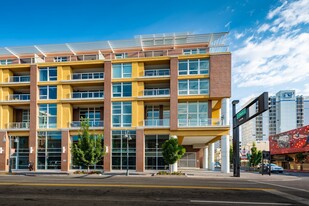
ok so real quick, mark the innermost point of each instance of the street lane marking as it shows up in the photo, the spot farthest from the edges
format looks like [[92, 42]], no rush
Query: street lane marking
[[131, 186], [287, 187], [238, 203], [289, 196]]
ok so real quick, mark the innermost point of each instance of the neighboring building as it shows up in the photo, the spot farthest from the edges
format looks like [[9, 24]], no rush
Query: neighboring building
[[150, 87], [286, 111], [285, 146]]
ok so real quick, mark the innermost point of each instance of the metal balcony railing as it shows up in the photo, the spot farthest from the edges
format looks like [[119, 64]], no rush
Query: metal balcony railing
[[77, 124], [19, 125], [88, 95], [156, 92], [208, 122], [156, 72], [92, 75], [156, 122], [19, 97], [21, 79]]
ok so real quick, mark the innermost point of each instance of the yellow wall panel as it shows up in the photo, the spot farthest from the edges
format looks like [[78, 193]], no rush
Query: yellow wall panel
[[64, 115]]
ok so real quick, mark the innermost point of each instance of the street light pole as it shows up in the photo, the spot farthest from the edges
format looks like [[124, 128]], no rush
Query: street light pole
[[10, 159], [236, 165]]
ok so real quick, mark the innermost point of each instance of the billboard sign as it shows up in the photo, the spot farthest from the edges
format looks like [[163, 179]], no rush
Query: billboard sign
[[292, 141]]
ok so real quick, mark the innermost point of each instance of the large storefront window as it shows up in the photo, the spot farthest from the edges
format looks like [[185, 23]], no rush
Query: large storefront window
[[119, 149], [20, 152], [153, 152], [49, 150], [98, 166]]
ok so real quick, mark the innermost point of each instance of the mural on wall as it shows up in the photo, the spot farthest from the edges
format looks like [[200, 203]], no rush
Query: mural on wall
[[292, 141]]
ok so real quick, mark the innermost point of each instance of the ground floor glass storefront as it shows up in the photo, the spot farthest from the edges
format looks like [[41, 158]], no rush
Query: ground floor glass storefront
[[20, 154], [119, 149], [98, 166], [49, 150], [153, 152]]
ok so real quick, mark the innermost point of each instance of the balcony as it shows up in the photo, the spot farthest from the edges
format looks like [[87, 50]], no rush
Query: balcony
[[19, 125], [19, 97], [20, 79], [77, 124], [88, 95], [156, 123], [157, 73], [209, 122], [157, 92], [87, 76]]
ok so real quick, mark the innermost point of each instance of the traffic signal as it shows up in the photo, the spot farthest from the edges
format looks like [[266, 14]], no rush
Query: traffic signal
[[266, 155]]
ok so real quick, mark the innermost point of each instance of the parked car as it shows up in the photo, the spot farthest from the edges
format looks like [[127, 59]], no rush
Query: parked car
[[275, 168]]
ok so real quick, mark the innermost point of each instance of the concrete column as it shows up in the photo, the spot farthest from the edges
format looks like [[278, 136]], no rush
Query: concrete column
[[140, 150], [174, 167], [225, 111], [211, 156], [107, 115], [65, 150], [33, 115], [205, 158], [225, 154], [174, 94], [4, 151]]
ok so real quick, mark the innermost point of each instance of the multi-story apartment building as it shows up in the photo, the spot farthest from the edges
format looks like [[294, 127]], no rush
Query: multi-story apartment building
[[150, 87]]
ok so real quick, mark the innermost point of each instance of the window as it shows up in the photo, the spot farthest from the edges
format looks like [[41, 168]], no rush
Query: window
[[193, 86], [193, 114], [60, 59], [48, 74], [6, 61], [122, 89], [153, 152], [194, 51], [49, 150], [48, 92], [93, 115], [47, 116], [26, 115], [122, 70], [121, 55], [194, 66], [121, 114]]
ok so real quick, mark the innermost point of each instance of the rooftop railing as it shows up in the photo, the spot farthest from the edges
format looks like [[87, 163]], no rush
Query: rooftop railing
[[208, 122], [156, 72], [156, 122], [21, 79], [77, 124], [19, 125], [88, 95], [156, 92], [92, 75], [19, 97]]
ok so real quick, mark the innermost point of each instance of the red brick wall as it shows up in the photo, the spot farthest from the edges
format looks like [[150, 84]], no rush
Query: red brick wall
[[174, 94], [140, 150]]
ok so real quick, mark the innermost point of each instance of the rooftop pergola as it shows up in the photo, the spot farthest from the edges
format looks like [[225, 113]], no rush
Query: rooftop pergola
[[140, 42]]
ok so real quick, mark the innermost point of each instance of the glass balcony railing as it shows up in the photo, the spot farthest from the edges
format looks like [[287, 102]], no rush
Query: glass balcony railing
[[19, 97], [88, 95], [19, 125], [93, 75], [156, 72], [208, 122], [156, 92], [77, 124], [156, 122], [21, 79]]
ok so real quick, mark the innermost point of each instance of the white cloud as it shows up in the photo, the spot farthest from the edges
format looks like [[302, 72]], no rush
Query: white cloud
[[275, 59], [239, 35], [305, 92]]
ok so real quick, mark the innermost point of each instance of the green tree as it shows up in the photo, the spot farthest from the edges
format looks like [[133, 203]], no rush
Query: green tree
[[255, 157], [88, 150], [172, 152], [300, 157]]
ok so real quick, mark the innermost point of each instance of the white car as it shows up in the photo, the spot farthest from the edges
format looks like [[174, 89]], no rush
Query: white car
[[276, 168]]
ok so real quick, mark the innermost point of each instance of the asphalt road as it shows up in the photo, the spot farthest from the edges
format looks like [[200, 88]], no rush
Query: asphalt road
[[140, 190]]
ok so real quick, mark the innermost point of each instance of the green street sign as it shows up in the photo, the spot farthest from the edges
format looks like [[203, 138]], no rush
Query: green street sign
[[241, 113]]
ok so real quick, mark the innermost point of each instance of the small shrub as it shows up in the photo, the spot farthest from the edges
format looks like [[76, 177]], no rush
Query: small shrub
[[170, 173]]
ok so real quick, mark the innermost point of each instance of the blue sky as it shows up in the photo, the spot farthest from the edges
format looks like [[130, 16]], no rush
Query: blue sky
[[268, 39]]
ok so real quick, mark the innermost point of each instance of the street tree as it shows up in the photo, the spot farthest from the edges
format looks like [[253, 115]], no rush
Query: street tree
[[88, 151], [172, 152], [255, 157], [300, 157]]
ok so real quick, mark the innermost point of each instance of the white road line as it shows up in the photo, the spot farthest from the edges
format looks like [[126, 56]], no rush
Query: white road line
[[289, 196], [238, 203], [287, 187]]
